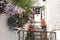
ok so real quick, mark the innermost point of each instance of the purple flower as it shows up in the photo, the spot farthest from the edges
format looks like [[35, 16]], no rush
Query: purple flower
[[10, 10]]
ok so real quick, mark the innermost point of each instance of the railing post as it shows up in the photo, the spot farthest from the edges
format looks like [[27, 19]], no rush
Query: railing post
[[19, 35], [23, 35], [55, 35]]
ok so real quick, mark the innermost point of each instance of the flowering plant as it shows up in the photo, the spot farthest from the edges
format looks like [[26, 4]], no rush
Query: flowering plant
[[2, 5], [43, 24], [31, 28]]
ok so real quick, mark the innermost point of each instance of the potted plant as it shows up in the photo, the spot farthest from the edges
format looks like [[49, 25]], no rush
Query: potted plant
[[30, 33]]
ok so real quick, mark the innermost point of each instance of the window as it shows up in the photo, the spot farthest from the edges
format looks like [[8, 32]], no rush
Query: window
[[37, 10]]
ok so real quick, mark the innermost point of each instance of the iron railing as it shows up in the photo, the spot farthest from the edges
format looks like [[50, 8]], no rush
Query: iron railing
[[36, 35]]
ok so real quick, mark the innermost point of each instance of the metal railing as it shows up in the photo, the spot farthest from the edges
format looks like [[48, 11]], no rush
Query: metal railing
[[36, 35]]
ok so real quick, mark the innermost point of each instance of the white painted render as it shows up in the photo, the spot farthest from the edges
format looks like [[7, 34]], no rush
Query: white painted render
[[53, 16]]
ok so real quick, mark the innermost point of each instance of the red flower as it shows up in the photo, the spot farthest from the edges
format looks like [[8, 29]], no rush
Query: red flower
[[31, 28], [43, 22]]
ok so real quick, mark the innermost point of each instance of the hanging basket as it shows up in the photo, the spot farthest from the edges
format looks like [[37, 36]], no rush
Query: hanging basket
[[16, 21]]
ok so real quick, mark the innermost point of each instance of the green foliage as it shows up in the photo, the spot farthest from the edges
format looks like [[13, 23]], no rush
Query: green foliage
[[17, 20], [12, 21], [25, 4]]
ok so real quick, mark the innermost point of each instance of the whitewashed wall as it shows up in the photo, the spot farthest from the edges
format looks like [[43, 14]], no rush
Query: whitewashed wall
[[53, 14], [5, 33]]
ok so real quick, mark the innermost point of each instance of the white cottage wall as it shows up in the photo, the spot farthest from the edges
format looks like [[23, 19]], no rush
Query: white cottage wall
[[5, 33], [53, 16]]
